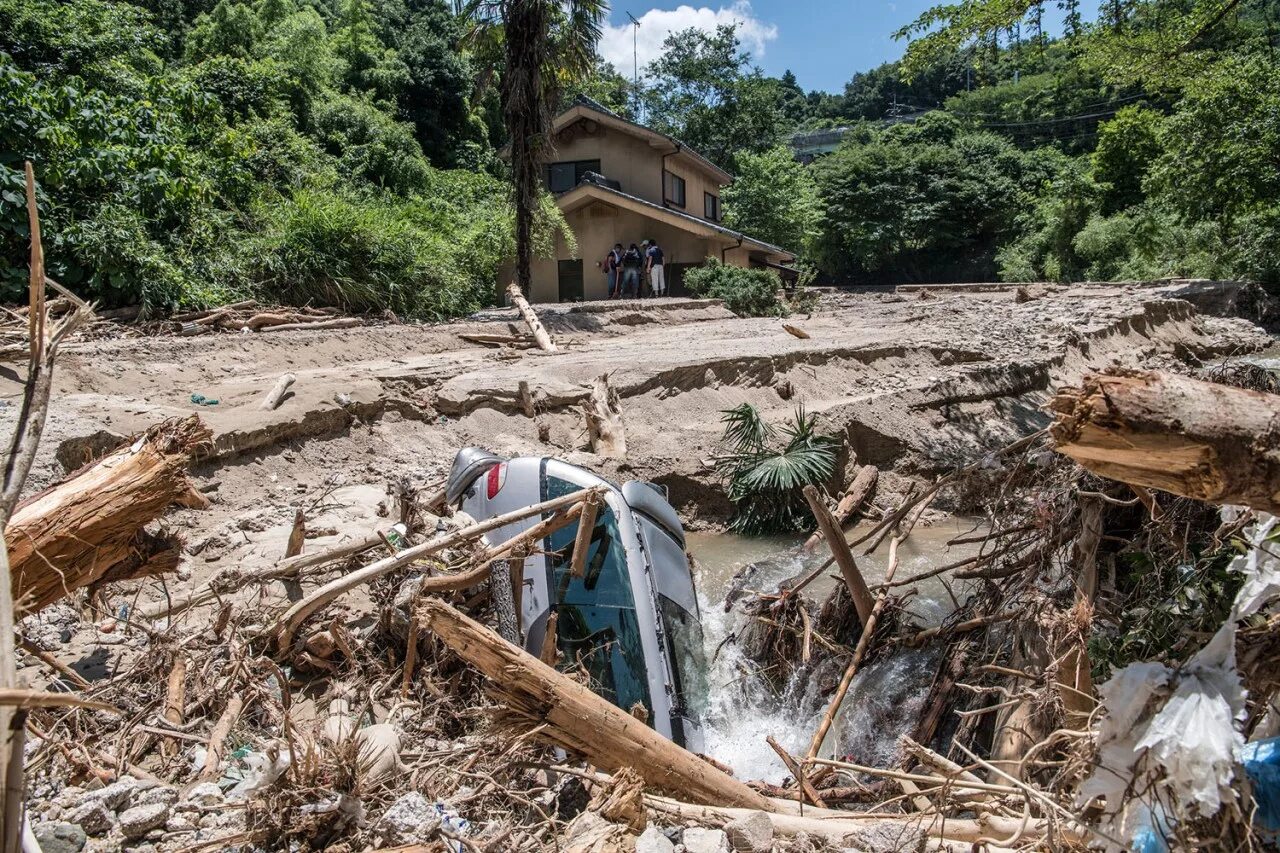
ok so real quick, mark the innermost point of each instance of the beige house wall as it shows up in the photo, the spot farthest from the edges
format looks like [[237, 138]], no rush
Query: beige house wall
[[697, 181], [623, 157]]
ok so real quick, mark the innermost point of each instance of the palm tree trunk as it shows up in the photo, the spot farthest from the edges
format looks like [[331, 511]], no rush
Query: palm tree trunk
[[526, 112]]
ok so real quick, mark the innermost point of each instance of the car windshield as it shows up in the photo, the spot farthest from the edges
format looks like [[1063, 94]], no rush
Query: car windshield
[[596, 625]]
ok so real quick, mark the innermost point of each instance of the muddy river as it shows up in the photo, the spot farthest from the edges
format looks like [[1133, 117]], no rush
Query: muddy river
[[743, 710]]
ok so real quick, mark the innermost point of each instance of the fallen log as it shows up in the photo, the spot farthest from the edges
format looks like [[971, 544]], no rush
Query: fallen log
[[338, 323], [604, 420], [74, 533], [568, 714], [1199, 439], [540, 334], [864, 482], [277, 392], [796, 331]]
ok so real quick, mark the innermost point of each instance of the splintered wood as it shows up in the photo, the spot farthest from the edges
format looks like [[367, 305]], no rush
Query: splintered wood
[[604, 420], [74, 533], [567, 713], [1199, 439]]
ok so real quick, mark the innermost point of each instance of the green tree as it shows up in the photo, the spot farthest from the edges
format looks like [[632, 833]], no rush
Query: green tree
[[774, 198], [545, 44], [704, 91], [231, 29], [1128, 146], [611, 89]]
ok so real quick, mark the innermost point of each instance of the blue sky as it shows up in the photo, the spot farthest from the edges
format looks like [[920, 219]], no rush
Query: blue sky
[[823, 41]]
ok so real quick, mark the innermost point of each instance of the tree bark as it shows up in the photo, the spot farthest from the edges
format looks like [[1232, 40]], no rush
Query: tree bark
[[276, 394], [863, 602], [74, 533], [573, 717], [540, 334], [864, 483], [1206, 441]]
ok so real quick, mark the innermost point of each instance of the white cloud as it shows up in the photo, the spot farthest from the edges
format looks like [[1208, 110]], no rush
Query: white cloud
[[657, 24]]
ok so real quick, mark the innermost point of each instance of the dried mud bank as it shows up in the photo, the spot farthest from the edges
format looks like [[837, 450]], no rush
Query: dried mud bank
[[913, 382]]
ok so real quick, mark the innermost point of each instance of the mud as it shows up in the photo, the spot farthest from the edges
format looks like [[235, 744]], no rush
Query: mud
[[913, 384]]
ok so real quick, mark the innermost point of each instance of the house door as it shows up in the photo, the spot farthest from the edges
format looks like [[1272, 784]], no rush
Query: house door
[[675, 279], [571, 281]]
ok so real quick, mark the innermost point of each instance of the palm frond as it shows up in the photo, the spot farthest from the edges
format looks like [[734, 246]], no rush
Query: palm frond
[[744, 430]]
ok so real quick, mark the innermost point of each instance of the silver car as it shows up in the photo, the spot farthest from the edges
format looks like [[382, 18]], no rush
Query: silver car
[[632, 620]]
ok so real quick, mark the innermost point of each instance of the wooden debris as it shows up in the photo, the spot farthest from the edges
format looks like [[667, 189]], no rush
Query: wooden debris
[[582, 540], [74, 533], [797, 773], [621, 800], [276, 394], [218, 739], [175, 700], [525, 399], [796, 331], [568, 714], [1206, 441], [859, 491], [297, 535], [288, 624], [338, 323], [540, 334], [604, 420], [858, 590]]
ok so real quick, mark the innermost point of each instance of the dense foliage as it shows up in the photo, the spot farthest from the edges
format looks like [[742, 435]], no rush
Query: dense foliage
[[766, 469], [774, 199], [189, 152], [746, 292]]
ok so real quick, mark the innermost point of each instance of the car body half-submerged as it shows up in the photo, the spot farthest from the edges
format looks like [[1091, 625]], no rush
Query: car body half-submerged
[[631, 621]]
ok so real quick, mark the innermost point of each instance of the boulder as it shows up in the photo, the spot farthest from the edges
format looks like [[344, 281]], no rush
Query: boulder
[[60, 837], [139, 820], [206, 795], [93, 817], [699, 840], [652, 840], [750, 834]]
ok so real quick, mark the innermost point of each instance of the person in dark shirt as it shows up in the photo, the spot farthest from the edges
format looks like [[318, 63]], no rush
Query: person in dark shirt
[[632, 264], [612, 267], [653, 257]]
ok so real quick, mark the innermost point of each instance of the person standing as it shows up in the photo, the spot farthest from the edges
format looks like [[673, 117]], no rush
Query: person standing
[[632, 263], [613, 270], [653, 257]]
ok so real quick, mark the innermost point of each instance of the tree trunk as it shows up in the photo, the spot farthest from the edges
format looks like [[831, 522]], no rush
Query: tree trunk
[[855, 496], [1206, 441], [540, 333], [76, 532], [863, 601], [573, 717]]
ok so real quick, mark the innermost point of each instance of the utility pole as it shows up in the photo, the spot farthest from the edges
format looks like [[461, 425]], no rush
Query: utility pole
[[635, 62]]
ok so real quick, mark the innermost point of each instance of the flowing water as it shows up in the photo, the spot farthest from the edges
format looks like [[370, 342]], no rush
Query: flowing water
[[744, 711]]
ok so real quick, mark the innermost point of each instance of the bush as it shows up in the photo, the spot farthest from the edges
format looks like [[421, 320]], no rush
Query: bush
[[747, 293]]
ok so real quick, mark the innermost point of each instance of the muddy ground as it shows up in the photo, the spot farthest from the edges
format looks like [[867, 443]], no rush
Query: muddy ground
[[913, 382]]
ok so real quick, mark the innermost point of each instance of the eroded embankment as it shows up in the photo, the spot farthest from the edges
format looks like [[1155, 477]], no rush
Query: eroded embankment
[[911, 383]]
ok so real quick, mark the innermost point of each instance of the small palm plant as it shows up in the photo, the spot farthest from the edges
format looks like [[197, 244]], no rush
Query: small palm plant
[[767, 468]]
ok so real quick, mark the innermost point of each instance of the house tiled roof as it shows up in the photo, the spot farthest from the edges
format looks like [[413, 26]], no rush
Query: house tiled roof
[[704, 223]]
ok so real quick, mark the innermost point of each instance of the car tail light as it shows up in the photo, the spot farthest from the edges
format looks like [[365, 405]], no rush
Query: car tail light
[[496, 479]]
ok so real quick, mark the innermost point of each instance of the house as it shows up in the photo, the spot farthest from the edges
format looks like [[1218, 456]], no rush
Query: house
[[620, 182]]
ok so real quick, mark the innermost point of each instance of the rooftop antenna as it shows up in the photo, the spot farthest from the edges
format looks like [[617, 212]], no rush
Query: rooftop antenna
[[635, 61]]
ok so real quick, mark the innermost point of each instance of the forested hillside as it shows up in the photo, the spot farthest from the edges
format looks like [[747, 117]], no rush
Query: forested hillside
[[345, 151]]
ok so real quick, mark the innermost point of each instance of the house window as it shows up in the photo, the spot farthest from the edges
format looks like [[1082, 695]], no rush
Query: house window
[[564, 176], [711, 207], [673, 189]]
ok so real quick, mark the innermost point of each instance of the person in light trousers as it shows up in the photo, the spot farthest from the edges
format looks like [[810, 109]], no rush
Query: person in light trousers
[[653, 257]]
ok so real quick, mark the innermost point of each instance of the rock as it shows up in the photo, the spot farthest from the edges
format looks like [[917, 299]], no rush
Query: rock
[[406, 819], [699, 840], [139, 820], [116, 796], [905, 837], [206, 795], [653, 841], [93, 817], [179, 823], [159, 794], [590, 833], [750, 834], [60, 837]]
